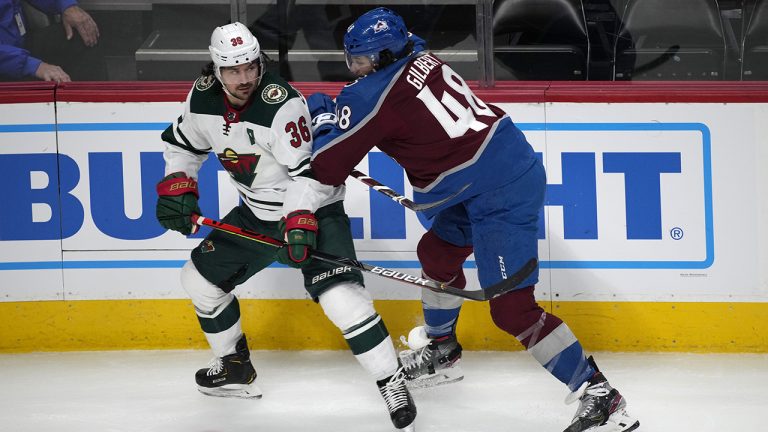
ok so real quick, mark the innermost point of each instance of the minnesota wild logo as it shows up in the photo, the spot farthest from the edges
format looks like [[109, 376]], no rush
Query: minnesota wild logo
[[204, 82], [274, 94], [207, 246], [242, 167]]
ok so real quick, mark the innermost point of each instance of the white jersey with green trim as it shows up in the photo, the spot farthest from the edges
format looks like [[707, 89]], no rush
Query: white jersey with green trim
[[265, 146]]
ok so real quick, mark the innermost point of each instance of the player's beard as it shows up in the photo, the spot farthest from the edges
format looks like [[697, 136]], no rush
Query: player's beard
[[242, 92]]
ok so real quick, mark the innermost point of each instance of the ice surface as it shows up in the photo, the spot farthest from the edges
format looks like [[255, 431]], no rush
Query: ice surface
[[324, 391]]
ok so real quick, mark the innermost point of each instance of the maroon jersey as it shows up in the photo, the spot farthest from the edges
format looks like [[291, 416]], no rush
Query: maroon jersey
[[424, 115]]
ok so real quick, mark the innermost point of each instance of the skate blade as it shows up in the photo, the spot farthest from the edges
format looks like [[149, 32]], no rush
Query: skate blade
[[410, 428], [619, 421], [242, 391], [441, 377]]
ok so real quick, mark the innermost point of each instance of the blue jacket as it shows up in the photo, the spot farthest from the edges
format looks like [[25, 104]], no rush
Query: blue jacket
[[15, 61]]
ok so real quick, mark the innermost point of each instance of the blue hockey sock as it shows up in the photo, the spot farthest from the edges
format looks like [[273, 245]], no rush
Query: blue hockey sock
[[440, 322]]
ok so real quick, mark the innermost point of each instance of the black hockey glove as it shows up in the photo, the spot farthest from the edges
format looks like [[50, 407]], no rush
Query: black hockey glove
[[300, 231], [176, 202]]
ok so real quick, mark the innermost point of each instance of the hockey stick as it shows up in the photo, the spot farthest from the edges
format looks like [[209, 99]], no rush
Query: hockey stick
[[396, 197], [478, 295]]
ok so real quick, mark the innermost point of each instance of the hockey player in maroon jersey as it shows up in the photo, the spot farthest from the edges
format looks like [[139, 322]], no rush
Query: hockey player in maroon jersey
[[485, 185]]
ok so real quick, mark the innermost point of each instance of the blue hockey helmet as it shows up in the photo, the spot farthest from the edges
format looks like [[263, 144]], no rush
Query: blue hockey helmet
[[373, 32]]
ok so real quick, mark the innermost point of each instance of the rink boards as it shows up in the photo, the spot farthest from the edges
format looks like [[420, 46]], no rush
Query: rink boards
[[652, 236]]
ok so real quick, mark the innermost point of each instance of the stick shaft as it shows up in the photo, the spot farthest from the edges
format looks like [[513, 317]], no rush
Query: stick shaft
[[396, 197], [383, 189], [489, 293], [343, 261]]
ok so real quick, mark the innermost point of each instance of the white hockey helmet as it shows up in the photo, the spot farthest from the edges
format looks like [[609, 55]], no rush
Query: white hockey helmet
[[234, 45]]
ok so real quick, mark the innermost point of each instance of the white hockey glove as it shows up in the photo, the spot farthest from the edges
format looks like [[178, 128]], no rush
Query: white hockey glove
[[323, 123], [323, 111]]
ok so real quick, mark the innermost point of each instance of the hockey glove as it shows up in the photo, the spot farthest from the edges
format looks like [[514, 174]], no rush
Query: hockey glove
[[323, 111], [300, 231], [177, 201], [320, 103], [323, 124]]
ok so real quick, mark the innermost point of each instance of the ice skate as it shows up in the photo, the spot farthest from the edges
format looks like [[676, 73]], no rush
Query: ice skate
[[399, 402], [230, 376], [431, 362], [601, 407]]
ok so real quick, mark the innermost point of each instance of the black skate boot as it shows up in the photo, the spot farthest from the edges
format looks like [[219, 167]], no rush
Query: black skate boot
[[601, 407], [434, 364], [230, 376], [399, 402]]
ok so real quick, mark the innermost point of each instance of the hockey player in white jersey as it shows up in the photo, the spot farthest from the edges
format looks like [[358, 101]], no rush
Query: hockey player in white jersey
[[259, 128]]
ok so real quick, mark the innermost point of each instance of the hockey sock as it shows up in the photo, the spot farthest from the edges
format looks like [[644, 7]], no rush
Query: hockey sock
[[372, 347], [441, 261], [217, 311], [350, 307], [440, 322], [222, 327], [544, 335]]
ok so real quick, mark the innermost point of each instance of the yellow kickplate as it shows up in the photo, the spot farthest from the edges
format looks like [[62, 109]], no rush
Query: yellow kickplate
[[301, 325]]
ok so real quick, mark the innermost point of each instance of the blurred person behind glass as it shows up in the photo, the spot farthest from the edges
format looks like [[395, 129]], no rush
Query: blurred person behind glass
[[33, 47], [324, 25]]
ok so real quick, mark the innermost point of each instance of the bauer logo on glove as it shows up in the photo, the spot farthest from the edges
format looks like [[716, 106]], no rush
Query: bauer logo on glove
[[300, 231], [183, 186], [307, 222], [176, 202]]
